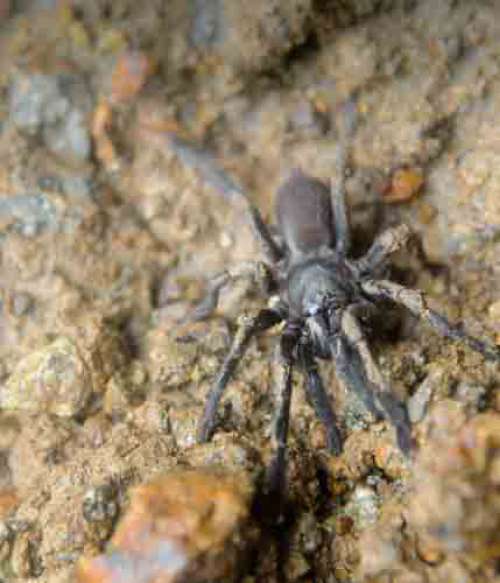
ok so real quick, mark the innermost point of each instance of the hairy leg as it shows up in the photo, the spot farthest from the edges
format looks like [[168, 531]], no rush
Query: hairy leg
[[339, 207], [384, 245], [248, 326], [213, 174], [256, 270], [415, 302], [275, 477], [320, 399], [348, 368], [394, 410], [268, 245]]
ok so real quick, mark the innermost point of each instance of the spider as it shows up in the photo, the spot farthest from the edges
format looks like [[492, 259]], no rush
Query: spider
[[324, 297]]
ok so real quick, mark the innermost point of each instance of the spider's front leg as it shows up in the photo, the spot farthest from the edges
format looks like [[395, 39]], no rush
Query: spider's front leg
[[257, 271], [382, 248], [414, 301], [271, 250], [248, 326]]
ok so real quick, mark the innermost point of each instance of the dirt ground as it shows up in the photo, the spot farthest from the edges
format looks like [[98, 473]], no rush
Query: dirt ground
[[122, 125]]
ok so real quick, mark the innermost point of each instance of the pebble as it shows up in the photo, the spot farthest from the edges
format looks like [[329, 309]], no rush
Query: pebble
[[363, 506], [418, 403], [405, 184], [6, 539], [54, 379], [99, 509], [129, 76], [29, 214], [54, 107], [21, 303], [494, 314]]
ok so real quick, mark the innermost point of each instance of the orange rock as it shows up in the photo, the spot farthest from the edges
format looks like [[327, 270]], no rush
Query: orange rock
[[8, 501], [429, 550], [101, 122], [184, 525], [129, 76], [405, 184]]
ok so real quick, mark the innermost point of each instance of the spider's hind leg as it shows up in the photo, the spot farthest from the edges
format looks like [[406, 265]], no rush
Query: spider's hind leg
[[387, 243], [415, 302]]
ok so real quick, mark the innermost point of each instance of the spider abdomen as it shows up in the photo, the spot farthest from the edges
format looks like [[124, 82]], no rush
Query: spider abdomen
[[304, 214]]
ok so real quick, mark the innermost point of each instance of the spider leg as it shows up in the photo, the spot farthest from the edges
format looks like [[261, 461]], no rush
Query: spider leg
[[248, 326], [339, 207], [256, 270], [320, 399], [415, 302], [275, 476], [213, 174], [270, 248], [394, 410], [387, 243], [348, 369]]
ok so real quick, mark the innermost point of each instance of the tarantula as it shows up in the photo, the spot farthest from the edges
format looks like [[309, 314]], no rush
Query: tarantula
[[323, 297]]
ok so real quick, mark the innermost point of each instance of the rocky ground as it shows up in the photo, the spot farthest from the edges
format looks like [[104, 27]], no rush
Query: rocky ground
[[121, 127]]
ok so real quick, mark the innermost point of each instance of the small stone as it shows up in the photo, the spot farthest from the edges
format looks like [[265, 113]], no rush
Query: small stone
[[6, 539], [21, 304], [54, 107], [297, 567], [35, 100], [494, 314], [363, 507], [99, 504], [129, 76], [183, 423], [70, 137], [185, 525], [54, 379], [426, 212], [8, 501], [418, 403], [28, 213], [99, 509], [24, 559], [471, 395], [170, 363], [429, 551], [405, 184], [115, 404]]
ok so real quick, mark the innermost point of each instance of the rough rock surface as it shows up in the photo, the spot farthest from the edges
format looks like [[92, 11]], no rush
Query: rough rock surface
[[125, 131]]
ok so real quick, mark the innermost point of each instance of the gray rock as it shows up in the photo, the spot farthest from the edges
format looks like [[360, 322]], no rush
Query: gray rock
[[35, 100], [54, 379], [56, 108], [29, 213], [69, 136], [207, 22], [418, 403], [363, 507]]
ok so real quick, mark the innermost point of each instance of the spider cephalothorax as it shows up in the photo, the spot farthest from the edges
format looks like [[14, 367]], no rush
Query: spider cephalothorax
[[323, 297]]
